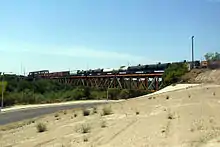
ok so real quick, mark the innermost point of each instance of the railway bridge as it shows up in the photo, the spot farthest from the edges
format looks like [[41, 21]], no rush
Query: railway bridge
[[148, 82]]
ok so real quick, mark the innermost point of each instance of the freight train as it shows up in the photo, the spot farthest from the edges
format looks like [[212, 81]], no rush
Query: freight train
[[139, 69]]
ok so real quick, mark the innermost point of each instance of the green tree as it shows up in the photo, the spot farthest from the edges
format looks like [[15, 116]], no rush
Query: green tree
[[4, 85], [212, 56], [174, 72]]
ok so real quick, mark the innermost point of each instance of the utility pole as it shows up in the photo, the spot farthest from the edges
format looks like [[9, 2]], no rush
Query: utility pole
[[192, 52]]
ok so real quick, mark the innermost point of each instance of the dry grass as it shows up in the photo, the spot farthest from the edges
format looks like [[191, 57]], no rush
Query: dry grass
[[56, 115], [86, 112], [85, 139], [64, 112], [103, 124], [107, 110], [41, 127], [213, 93], [170, 115], [95, 110], [85, 128]]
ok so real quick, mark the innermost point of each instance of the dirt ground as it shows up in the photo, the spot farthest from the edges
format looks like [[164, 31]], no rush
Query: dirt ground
[[202, 76], [184, 118]]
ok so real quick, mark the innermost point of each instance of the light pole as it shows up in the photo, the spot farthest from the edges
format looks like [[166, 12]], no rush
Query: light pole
[[192, 52]]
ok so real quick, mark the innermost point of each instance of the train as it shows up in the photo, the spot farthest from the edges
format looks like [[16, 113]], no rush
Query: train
[[139, 69]]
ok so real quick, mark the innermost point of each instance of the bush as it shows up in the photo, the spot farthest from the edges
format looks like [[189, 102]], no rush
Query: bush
[[86, 112], [107, 111], [174, 72], [113, 93], [124, 94], [41, 127], [85, 128]]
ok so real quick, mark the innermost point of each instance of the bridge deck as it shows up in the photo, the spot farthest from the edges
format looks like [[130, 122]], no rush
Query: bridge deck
[[113, 76]]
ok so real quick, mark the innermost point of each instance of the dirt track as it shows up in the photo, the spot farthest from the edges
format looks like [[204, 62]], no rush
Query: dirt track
[[186, 118]]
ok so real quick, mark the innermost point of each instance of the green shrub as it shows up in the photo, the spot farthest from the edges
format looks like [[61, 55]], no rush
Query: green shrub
[[124, 94], [4, 85], [113, 93], [174, 73]]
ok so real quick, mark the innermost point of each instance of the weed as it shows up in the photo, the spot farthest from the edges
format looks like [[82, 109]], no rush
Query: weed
[[56, 115], [103, 124], [85, 128], [86, 112], [95, 110], [107, 111], [64, 112], [213, 93], [41, 127], [85, 139], [166, 129], [30, 122], [170, 115]]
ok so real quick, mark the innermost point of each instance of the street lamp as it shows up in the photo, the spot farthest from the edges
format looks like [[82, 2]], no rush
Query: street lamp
[[2, 101], [192, 52]]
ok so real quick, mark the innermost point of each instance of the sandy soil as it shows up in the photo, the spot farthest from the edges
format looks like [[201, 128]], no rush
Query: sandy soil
[[184, 118]]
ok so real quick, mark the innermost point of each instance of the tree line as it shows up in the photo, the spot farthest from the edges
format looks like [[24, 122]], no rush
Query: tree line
[[23, 91]]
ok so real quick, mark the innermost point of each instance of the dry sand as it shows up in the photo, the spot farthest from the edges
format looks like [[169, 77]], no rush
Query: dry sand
[[184, 118]]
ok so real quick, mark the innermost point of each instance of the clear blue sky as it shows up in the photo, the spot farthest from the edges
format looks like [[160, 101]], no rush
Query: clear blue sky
[[79, 34]]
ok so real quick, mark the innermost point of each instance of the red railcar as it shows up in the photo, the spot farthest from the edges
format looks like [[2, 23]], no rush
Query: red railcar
[[59, 74]]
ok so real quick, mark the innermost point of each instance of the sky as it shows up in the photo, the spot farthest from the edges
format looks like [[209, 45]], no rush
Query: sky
[[61, 35]]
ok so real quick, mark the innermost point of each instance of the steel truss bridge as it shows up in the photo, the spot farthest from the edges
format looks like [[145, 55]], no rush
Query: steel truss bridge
[[148, 82]]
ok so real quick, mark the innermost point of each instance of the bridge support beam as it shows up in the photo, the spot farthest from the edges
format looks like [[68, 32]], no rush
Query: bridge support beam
[[148, 82]]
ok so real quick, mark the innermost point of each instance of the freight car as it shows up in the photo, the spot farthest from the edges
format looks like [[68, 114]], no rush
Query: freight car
[[59, 74], [38, 74]]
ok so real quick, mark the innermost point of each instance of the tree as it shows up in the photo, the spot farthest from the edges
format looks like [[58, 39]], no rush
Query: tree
[[212, 56], [4, 86], [174, 72]]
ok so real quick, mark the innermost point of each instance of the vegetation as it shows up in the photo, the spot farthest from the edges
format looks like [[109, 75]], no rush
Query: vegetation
[[174, 73], [86, 112], [107, 111], [85, 128], [24, 91], [41, 127], [212, 56], [4, 86], [103, 124]]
